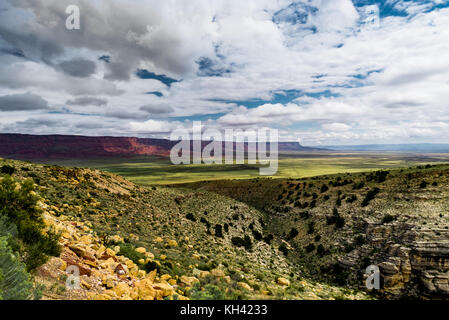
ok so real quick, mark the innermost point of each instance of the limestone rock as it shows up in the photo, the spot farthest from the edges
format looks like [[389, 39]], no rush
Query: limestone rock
[[283, 281]]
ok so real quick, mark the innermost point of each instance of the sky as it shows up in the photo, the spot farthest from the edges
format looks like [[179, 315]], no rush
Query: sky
[[326, 72]]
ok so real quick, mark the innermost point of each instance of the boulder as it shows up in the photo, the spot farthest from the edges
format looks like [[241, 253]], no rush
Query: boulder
[[245, 286], [217, 273], [165, 288], [141, 250], [283, 281], [188, 281]]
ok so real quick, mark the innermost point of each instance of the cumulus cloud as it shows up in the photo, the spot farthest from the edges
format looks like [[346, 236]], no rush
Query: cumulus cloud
[[157, 109], [78, 67], [154, 127], [87, 101], [346, 80], [22, 102]]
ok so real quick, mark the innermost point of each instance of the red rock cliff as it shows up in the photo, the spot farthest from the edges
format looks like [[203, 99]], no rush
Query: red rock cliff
[[66, 147]]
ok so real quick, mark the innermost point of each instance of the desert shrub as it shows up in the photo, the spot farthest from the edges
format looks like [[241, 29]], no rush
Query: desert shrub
[[331, 220], [387, 219], [19, 206], [423, 184], [257, 235], [358, 185], [166, 267], [336, 219], [317, 238], [283, 248], [129, 251], [370, 196], [351, 199], [338, 201], [311, 228], [191, 217], [218, 231], [286, 209], [348, 247], [6, 169], [378, 176], [304, 215], [267, 239], [310, 248], [293, 233], [359, 240], [339, 222], [242, 242], [324, 188], [320, 250], [366, 261], [209, 292], [340, 275], [204, 220]]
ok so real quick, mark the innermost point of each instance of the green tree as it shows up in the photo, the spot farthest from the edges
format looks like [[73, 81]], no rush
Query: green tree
[[15, 282], [19, 208]]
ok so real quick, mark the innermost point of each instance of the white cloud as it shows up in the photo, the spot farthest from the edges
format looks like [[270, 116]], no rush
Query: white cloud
[[389, 83]]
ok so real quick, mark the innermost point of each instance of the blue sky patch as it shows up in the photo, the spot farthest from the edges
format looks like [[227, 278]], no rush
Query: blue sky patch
[[210, 68], [145, 74], [397, 7], [17, 52], [281, 96], [105, 58], [156, 93], [295, 13], [361, 76], [200, 117]]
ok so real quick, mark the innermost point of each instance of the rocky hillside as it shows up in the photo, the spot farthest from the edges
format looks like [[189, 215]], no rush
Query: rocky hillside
[[337, 225], [130, 242]]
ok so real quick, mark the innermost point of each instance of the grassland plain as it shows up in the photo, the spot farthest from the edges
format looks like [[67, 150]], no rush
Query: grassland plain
[[148, 171]]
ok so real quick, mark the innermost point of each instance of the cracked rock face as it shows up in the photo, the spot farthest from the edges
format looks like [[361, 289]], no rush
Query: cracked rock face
[[412, 262]]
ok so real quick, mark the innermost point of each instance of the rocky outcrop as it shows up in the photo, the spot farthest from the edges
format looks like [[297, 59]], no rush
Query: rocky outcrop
[[413, 262], [103, 274]]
